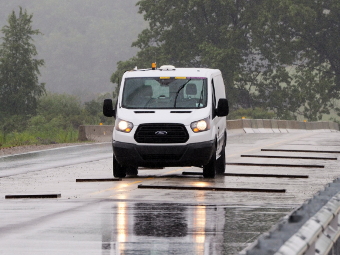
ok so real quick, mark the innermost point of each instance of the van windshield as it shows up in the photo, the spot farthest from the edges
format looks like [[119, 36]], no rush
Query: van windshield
[[165, 93]]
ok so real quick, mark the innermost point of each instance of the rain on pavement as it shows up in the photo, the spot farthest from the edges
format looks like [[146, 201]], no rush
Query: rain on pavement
[[118, 217]]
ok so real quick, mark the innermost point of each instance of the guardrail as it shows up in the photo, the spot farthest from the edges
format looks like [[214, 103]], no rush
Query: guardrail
[[278, 126], [103, 133], [311, 229]]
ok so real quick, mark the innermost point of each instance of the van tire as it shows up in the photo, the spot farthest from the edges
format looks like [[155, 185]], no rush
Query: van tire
[[118, 170], [220, 162], [209, 170], [132, 170]]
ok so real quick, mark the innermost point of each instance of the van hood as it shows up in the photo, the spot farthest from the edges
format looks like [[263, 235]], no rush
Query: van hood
[[183, 116]]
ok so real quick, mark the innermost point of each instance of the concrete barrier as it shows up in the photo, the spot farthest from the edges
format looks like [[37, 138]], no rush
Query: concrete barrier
[[275, 126], [255, 125], [282, 124], [336, 126], [309, 126], [294, 126], [325, 126], [235, 126], [247, 126], [104, 133], [317, 126], [302, 125], [95, 133], [290, 126], [333, 126], [267, 126]]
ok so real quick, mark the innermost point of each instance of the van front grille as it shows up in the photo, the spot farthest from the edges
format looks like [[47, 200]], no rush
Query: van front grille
[[161, 133], [161, 157]]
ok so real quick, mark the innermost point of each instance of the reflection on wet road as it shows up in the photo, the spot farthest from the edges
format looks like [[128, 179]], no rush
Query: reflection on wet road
[[181, 229], [117, 217], [121, 227]]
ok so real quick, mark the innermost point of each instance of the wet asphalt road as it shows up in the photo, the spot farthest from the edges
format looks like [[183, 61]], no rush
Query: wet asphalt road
[[52, 158], [117, 217]]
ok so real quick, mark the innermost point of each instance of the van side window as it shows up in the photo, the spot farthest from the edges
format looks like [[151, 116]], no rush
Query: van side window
[[213, 108]]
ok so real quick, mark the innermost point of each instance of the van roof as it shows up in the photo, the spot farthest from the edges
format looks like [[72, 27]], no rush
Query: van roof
[[176, 72]]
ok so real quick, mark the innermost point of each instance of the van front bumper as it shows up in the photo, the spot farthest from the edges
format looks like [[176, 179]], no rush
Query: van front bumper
[[196, 154]]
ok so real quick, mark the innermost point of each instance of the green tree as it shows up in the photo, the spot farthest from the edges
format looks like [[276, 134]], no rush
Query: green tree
[[93, 111], [304, 35], [279, 55], [195, 33], [19, 69], [62, 108]]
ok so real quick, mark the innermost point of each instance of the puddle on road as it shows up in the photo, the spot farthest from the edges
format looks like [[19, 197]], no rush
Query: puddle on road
[[153, 228]]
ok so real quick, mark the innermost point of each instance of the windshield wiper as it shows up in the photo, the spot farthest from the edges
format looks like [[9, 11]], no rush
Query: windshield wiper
[[179, 91]]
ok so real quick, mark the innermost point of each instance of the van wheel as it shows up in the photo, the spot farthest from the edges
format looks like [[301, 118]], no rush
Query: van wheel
[[118, 170], [220, 162], [209, 170], [132, 170]]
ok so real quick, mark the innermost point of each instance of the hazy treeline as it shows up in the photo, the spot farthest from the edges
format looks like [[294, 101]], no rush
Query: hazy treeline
[[82, 40], [29, 113], [279, 58]]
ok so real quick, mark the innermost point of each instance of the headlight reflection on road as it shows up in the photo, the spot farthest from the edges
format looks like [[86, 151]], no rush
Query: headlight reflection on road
[[199, 229], [199, 224], [122, 223], [201, 184]]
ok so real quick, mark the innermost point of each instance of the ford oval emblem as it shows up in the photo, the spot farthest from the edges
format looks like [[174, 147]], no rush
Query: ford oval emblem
[[161, 133]]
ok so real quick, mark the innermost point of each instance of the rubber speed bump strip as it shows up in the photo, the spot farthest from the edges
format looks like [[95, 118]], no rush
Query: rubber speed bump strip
[[275, 165], [33, 196], [141, 186], [288, 157], [313, 151], [253, 175], [99, 180]]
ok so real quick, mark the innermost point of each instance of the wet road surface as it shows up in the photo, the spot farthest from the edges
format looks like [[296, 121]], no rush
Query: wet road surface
[[117, 217], [41, 160]]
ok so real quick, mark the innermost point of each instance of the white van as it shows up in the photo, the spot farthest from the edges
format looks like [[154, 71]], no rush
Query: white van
[[169, 116]]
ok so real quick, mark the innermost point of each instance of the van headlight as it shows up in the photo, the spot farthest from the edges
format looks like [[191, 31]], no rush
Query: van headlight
[[200, 125], [124, 126]]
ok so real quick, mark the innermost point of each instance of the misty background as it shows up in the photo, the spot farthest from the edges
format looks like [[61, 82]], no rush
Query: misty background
[[82, 41]]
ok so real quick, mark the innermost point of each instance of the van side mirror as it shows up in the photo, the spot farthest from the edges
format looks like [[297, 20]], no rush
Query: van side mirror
[[222, 107], [108, 110]]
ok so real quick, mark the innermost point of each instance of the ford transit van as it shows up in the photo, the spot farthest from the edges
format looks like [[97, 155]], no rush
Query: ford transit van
[[169, 116]]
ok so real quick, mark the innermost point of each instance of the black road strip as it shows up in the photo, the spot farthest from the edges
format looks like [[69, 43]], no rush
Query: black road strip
[[289, 157], [275, 165], [301, 151], [99, 180], [33, 196], [141, 186], [253, 175]]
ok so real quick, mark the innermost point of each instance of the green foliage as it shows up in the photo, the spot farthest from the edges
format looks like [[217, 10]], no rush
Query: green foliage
[[316, 90], [253, 43], [42, 137], [57, 121], [65, 110], [94, 111], [194, 34], [256, 113], [303, 34], [19, 69]]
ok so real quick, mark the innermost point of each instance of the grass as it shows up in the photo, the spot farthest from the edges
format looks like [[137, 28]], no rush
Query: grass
[[37, 138]]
